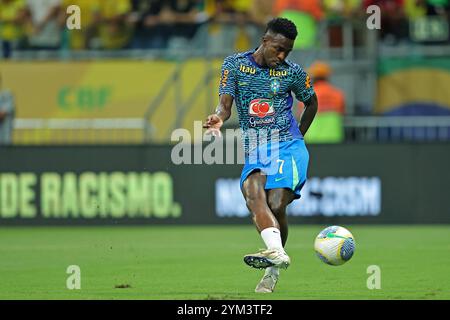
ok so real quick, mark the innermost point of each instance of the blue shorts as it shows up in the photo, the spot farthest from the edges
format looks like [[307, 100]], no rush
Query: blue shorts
[[285, 164]]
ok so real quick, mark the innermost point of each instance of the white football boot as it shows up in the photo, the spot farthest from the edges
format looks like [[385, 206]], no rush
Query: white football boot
[[268, 258]]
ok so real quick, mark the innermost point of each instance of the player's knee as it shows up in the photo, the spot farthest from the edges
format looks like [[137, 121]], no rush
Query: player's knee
[[254, 197], [256, 204], [252, 203], [277, 206]]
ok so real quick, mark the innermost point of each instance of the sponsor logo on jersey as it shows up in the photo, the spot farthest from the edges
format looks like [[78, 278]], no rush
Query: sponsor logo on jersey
[[261, 108], [224, 78], [261, 122], [276, 73], [247, 69], [308, 82]]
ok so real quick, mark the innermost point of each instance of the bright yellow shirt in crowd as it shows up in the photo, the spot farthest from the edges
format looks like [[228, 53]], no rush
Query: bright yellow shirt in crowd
[[87, 9], [113, 37], [10, 10]]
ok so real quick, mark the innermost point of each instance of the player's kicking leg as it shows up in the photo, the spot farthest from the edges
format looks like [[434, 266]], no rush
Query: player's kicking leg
[[266, 223], [278, 199]]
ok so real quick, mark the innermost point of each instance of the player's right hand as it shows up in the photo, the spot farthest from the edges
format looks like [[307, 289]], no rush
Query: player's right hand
[[213, 123]]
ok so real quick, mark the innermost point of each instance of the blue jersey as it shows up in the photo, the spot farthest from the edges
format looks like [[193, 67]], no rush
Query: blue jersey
[[263, 98]]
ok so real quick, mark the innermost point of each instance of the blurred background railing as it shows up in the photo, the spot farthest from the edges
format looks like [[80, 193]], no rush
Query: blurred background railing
[[139, 69]]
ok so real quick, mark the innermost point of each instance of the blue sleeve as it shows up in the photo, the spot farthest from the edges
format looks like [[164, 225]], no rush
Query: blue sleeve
[[228, 78], [302, 85]]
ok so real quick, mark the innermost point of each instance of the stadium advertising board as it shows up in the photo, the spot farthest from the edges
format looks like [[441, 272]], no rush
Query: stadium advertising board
[[88, 195], [328, 196], [141, 185], [79, 185], [87, 90]]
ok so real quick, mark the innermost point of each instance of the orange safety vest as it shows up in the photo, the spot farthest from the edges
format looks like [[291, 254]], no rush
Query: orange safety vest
[[330, 98], [327, 126]]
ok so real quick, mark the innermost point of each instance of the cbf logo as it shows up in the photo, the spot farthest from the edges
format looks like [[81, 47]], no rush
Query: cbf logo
[[275, 85]]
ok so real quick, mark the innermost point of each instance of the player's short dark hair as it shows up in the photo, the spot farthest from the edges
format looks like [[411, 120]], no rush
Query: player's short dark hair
[[283, 26]]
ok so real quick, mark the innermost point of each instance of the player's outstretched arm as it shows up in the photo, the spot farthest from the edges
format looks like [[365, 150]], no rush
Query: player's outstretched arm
[[223, 112], [308, 114]]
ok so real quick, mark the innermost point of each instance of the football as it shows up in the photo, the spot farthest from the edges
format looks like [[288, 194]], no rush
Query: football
[[334, 245]]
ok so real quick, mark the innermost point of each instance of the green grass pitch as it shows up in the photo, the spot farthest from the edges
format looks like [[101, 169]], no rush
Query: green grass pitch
[[205, 262]]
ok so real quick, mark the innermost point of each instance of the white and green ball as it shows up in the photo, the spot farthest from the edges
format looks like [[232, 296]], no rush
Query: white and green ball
[[334, 245]]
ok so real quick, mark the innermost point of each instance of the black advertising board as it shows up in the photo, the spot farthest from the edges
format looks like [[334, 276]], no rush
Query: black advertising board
[[351, 183]]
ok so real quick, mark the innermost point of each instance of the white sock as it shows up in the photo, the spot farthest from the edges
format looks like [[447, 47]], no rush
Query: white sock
[[272, 238]]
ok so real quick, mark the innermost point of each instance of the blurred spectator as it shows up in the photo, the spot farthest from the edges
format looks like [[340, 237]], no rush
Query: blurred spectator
[[235, 24], [262, 12], [183, 17], [394, 24], [305, 14], [342, 9], [312, 7], [253, 18], [327, 126], [13, 17], [231, 26], [7, 110], [415, 9], [45, 33], [221, 11], [240, 11], [79, 39], [163, 23], [110, 19], [338, 12], [148, 32]]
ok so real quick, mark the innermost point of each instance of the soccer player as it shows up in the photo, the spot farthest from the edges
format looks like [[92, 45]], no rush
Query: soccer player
[[260, 82]]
